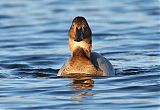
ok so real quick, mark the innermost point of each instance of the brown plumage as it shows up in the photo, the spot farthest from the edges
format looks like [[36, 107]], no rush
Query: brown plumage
[[83, 62]]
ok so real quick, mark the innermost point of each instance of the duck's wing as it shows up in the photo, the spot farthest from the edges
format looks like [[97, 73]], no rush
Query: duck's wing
[[101, 62]]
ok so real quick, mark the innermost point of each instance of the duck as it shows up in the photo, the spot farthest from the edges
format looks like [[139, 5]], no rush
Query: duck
[[84, 62]]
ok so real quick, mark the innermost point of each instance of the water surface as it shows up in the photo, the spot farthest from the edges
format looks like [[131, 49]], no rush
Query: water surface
[[33, 47]]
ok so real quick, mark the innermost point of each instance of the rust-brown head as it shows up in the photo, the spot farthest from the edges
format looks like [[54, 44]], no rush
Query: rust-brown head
[[80, 35]]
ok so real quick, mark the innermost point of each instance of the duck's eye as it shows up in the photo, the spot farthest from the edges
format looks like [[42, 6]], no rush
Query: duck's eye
[[73, 25]]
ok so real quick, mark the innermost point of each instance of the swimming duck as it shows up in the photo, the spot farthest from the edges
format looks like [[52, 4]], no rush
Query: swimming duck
[[83, 62]]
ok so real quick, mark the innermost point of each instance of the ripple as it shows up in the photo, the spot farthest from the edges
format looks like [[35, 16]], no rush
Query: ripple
[[88, 10], [33, 43], [47, 70], [138, 70], [150, 88], [16, 26], [117, 52], [53, 31], [10, 5], [5, 17], [35, 73], [105, 34], [59, 10], [13, 66]]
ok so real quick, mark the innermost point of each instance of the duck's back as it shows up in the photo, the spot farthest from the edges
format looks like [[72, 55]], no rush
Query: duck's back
[[101, 62]]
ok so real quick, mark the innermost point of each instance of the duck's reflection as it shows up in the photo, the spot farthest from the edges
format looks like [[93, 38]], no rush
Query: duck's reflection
[[83, 85]]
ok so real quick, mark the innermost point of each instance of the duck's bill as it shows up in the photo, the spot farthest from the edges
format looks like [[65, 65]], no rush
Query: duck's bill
[[79, 34], [79, 37]]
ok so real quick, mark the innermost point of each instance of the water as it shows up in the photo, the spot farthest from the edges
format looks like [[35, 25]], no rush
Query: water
[[33, 46]]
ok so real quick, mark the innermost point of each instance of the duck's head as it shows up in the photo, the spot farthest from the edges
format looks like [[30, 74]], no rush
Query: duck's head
[[80, 35]]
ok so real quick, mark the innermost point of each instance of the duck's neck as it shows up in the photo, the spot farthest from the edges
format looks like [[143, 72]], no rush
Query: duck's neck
[[81, 53], [82, 46]]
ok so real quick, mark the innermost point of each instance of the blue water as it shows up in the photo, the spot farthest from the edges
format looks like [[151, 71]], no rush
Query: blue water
[[33, 46]]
